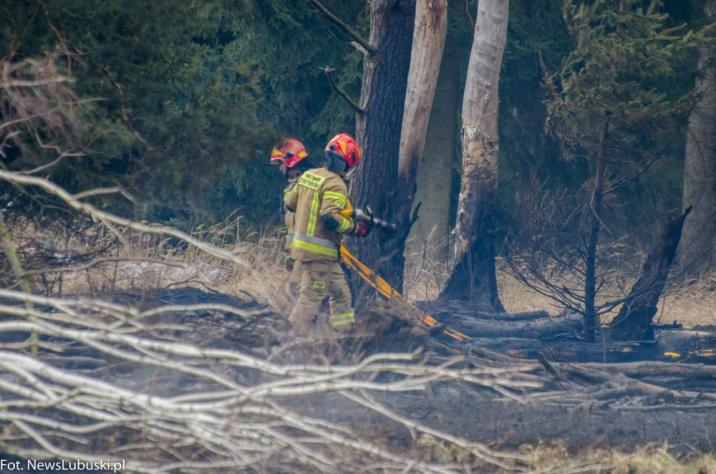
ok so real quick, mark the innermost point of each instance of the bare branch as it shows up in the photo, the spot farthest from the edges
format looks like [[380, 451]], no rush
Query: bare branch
[[52, 163], [225, 417], [55, 190], [344, 27], [36, 83], [334, 85], [97, 192]]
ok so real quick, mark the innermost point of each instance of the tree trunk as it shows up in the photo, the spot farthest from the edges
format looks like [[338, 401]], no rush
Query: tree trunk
[[472, 274], [591, 319], [385, 74], [697, 249], [434, 178], [425, 59], [634, 319]]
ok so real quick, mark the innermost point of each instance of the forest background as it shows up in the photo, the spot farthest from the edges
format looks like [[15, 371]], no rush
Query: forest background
[[158, 118], [184, 101]]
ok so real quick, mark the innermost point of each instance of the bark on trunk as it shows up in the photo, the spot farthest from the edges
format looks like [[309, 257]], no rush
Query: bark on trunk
[[472, 275], [385, 74], [425, 60], [634, 319], [591, 318], [697, 249], [434, 178]]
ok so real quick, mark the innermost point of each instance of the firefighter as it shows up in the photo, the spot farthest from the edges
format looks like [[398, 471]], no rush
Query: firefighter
[[293, 159], [318, 199]]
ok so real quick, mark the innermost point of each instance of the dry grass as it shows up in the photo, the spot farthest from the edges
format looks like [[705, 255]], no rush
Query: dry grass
[[692, 303], [140, 262], [645, 460], [99, 261]]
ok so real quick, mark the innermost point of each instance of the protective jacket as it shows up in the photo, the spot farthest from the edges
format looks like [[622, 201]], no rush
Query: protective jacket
[[318, 197], [289, 217]]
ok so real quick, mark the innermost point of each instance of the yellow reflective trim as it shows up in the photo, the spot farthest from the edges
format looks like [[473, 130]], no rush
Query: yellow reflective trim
[[319, 284], [311, 180], [341, 323], [348, 315], [313, 215], [343, 319], [340, 199], [315, 248], [344, 226]]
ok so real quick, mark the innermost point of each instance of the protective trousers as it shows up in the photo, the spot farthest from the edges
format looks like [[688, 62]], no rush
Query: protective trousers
[[294, 279], [322, 279]]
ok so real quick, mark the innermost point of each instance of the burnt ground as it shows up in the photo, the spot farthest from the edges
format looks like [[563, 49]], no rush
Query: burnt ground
[[485, 416], [458, 408], [480, 416], [508, 425]]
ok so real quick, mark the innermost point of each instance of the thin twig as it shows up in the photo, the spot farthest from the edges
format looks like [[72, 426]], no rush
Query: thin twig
[[334, 85], [344, 27]]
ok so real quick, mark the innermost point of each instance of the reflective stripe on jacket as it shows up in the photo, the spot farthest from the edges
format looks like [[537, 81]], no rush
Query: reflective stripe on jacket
[[318, 192]]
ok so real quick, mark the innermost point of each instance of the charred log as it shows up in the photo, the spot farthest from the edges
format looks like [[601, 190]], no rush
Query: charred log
[[671, 346], [505, 326], [634, 319]]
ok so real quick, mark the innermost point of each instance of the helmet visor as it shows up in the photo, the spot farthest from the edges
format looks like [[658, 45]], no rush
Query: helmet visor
[[277, 156]]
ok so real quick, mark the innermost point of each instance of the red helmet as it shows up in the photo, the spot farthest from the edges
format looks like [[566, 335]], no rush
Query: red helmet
[[346, 148], [290, 152]]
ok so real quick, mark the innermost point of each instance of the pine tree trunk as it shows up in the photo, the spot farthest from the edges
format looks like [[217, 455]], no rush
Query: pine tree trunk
[[425, 60], [591, 318], [385, 76], [434, 178], [698, 243], [472, 276]]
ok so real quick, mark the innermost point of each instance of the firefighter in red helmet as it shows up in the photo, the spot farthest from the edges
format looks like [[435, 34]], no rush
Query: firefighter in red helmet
[[317, 199], [293, 159]]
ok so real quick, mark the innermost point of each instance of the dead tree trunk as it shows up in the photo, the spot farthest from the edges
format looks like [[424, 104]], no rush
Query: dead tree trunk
[[385, 74], [697, 252], [634, 319], [434, 178], [591, 318], [425, 59], [472, 276]]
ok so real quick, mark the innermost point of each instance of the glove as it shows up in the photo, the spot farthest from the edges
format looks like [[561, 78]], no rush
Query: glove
[[288, 262], [362, 228], [329, 222]]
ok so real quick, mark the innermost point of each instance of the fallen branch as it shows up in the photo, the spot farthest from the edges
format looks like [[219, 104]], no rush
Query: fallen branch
[[226, 406], [97, 214]]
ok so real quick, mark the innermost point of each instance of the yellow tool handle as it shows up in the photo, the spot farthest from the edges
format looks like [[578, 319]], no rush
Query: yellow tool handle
[[385, 289]]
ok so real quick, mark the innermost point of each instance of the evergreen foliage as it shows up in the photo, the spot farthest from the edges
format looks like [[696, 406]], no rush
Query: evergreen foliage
[[190, 96], [617, 105], [542, 36]]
